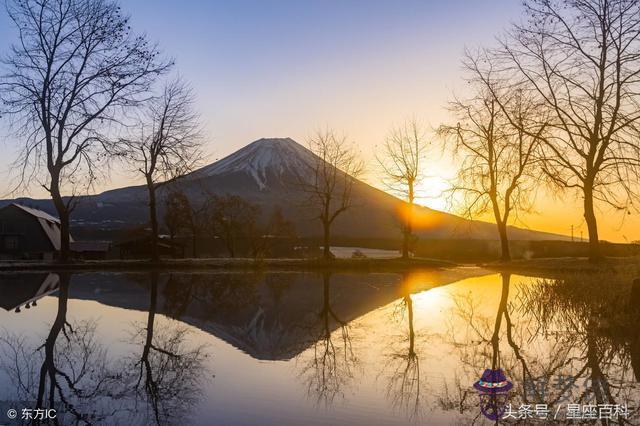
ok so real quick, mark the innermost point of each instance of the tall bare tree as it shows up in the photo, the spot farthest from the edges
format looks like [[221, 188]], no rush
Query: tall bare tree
[[234, 220], [582, 60], [168, 146], [329, 180], [74, 70], [177, 213], [403, 160], [497, 150]]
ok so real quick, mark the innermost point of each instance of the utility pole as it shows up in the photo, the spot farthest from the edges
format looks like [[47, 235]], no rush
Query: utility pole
[[571, 233]]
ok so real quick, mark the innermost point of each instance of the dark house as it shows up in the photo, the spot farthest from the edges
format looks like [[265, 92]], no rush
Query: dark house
[[140, 248], [90, 250], [27, 233]]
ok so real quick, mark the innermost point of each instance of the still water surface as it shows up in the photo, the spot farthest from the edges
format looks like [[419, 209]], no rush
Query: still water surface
[[305, 348]]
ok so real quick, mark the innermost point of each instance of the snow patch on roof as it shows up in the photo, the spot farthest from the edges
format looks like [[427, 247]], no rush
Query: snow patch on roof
[[38, 213]]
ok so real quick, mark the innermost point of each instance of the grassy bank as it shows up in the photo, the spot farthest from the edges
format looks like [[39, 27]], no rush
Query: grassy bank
[[566, 265], [364, 265]]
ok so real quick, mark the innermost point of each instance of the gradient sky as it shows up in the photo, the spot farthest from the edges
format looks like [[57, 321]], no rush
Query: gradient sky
[[284, 68]]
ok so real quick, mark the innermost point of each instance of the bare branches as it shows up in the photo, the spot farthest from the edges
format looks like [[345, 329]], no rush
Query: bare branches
[[168, 145], [329, 181], [402, 162], [581, 60], [403, 159], [497, 140], [67, 83]]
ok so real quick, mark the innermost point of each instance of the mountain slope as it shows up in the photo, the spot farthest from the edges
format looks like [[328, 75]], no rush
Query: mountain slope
[[264, 173]]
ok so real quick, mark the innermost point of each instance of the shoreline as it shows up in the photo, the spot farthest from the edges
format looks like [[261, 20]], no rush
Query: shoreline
[[239, 264], [558, 266]]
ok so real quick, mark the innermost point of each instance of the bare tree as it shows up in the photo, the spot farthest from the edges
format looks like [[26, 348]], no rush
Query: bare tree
[[329, 181], [168, 146], [177, 213], [75, 69], [232, 219], [496, 172], [402, 162], [582, 60]]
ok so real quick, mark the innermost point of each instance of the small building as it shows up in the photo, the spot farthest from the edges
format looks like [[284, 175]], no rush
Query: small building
[[141, 248], [90, 250], [31, 234], [28, 233]]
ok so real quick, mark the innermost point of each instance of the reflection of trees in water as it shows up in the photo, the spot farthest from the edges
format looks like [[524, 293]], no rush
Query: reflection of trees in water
[[585, 328], [331, 360], [224, 294], [403, 365], [596, 318], [68, 372], [71, 371], [169, 370], [477, 339]]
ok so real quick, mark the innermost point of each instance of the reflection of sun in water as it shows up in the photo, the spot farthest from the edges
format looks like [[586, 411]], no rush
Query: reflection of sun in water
[[431, 300]]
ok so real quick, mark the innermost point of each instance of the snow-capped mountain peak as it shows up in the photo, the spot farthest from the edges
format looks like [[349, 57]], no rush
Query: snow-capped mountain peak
[[262, 159]]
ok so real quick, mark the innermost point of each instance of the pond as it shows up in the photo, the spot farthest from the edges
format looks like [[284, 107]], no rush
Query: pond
[[308, 348]]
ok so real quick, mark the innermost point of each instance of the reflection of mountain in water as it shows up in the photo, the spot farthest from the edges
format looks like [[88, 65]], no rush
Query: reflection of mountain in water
[[271, 316]]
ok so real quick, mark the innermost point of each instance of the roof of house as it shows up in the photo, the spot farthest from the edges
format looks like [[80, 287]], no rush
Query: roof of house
[[50, 225], [37, 213]]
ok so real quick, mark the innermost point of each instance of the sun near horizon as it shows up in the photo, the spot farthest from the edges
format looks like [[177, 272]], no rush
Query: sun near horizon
[[288, 69]]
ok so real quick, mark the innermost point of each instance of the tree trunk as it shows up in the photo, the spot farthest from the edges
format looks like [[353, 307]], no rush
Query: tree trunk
[[412, 333], [231, 245], [153, 302], [505, 255], [502, 308], [153, 217], [63, 215], [194, 248], [406, 237], [326, 251], [408, 224], [592, 225], [48, 369]]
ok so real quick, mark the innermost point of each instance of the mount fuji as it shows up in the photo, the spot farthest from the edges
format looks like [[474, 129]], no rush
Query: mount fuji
[[264, 173]]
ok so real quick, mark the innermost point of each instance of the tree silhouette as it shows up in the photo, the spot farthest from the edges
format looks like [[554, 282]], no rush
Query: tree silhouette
[[168, 146], [75, 68], [329, 181], [403, 169], [234, 220], [496, 172], [178, 216], [581, 60]]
